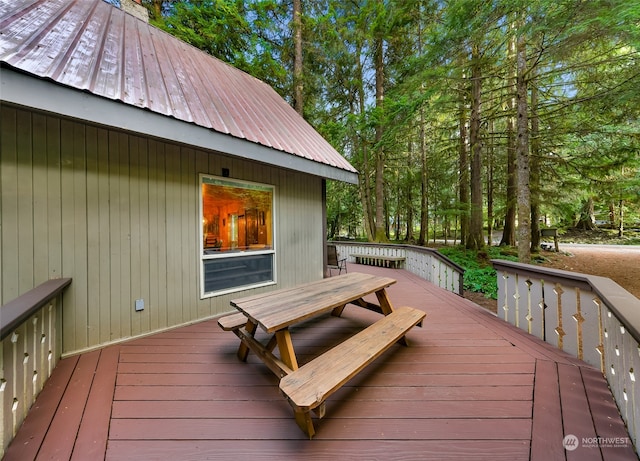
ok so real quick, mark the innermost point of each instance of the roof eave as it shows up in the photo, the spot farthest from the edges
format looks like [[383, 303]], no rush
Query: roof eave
[[45, 95]]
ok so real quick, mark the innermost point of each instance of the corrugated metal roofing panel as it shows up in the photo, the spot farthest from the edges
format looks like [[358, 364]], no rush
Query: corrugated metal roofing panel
[[93, 46]]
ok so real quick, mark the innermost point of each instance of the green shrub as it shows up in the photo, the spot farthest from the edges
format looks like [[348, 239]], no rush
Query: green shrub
[[479, 276]]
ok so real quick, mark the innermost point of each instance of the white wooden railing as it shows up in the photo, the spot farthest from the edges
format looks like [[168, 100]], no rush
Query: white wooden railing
[[30, 347], [593, 318], [426, 263]]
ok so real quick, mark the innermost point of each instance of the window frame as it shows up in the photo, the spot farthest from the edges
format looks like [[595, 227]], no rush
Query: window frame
[[228, 255]]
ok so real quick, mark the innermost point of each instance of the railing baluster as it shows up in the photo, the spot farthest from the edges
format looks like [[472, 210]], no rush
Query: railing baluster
[[28, 353], [585, 316], [426, 263]]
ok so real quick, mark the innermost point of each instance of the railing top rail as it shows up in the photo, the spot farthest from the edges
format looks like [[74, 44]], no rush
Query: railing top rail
[[623, 304], [20, 309], [432, 251]]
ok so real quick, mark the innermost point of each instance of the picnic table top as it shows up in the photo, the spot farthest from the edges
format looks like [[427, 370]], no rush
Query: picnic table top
[[280, 309]]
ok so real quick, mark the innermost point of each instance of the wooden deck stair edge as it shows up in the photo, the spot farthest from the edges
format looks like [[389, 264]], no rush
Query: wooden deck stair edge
[[309, 386]]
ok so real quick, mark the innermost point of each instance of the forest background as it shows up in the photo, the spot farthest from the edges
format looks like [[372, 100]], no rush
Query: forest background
[[462, 116]]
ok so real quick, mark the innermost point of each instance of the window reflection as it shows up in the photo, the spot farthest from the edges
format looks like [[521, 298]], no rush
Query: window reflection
[[236, 216]]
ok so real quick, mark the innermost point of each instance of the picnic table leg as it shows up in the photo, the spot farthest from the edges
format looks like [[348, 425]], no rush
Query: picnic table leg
[[285, 346], [387, 308], [243, 350], [337, 312], [271, 344], [303, 419], [321, 410], [385, 302], [367, 305]]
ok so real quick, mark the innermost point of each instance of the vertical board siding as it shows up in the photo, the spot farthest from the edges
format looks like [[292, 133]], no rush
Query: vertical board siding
[[93, 231], [102, 305], [8, 205], [53, 226], [299, 216], [119, 214], [25, 221]]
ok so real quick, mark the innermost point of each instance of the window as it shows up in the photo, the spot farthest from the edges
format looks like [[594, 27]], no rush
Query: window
[[237, 235]]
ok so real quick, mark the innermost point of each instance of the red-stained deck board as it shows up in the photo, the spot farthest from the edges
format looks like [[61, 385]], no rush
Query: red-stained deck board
[[431, 409], [338, 409], [547, 432], [61, 436], [232, 378], [497, 360], [234, 366], [574, 403], [328, 428], [382, 378], [601, 404], [197, 409], [28, 440], [468, 368], [154, 393], [424, 393], [94, 429], [275, 450]]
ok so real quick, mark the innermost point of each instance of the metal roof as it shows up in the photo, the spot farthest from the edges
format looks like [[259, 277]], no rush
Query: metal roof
[[92, 46]]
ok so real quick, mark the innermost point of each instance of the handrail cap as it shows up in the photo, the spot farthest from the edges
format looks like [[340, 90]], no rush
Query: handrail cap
[[15, 312]]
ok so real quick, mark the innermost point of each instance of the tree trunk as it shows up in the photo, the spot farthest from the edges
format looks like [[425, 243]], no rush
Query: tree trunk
[[380, 235], [612, 215], [490, 161], [156, 7], [535, 171], [475, 239], [398, 224], [509, 229], [463, 163], [587, 220], [298, 87], [522, 153], [365, 178], [409, 198], [424, 189], [621, 224]]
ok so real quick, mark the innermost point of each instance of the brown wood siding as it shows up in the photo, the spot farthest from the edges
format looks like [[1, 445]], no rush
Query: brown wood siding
[[119, 214]]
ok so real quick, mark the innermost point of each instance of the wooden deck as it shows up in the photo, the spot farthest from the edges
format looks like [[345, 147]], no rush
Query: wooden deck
[[469, 387]]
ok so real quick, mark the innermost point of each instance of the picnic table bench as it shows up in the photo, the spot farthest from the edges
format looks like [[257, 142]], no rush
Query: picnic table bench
[[307, 387], [379, 260]]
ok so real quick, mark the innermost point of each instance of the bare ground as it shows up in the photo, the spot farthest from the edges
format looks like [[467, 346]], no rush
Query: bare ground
[[619, 264]]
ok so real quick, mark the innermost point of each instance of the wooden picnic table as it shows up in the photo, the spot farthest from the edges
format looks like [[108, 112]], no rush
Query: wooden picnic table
[[276, 311], [307, 387]]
